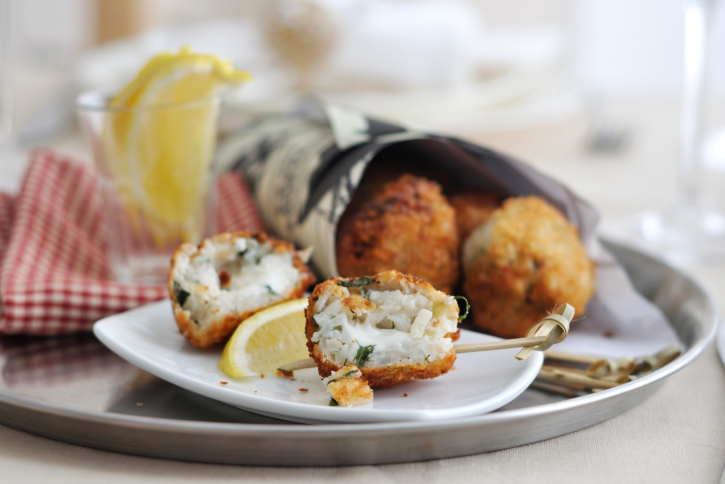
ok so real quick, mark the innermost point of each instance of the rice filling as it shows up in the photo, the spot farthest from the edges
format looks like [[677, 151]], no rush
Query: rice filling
[[382, 327], [232, 277]]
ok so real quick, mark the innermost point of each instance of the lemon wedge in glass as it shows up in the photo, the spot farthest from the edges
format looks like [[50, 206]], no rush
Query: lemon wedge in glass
[[269, 339], [160, 140]]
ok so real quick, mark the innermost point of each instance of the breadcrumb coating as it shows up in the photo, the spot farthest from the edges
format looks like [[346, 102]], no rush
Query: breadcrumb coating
[[348, 387], [406, 225], [473, 208], [526, 260]]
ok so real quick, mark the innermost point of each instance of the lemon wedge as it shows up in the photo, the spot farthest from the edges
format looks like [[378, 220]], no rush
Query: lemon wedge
[[271, 338], [160, 138]]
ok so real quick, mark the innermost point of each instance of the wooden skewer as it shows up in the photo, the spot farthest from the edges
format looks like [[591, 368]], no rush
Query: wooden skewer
[[555, 388], [501, 345], [298, 365], [655, 361], [546, 332], [571, 357], [564, 381], [621, 378], [560, 382], [462, 348], [563, 375], [549, 327], [570, 370]]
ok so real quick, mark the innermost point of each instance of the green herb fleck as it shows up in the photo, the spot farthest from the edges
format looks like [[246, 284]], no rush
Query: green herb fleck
[[271, 291], [345, 362], [314, 321], [180, 294], [427, 358], [349, 373], [359, 282], [363, 355], [242, 252], [333, 403], [468, 307], [258, 260], [354, 313], [226, 288], [393, 325]]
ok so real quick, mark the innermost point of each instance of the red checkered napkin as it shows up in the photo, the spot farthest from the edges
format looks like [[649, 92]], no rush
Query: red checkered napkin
[[54, 270]]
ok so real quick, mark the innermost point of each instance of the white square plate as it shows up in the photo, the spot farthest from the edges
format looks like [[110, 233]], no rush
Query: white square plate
[[480, 382]]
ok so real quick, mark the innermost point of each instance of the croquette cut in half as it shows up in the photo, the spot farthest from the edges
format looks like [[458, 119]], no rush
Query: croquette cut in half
[[407, 225], [524, 261], [228, 278], [393, 327]]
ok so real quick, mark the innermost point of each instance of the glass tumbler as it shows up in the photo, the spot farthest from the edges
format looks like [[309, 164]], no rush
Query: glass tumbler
[[154, 167]]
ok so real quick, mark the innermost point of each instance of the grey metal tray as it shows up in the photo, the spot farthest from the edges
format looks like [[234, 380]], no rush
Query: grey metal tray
[[75, 390]]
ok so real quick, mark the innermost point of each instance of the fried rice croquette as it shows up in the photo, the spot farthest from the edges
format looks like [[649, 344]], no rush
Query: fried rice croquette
[[228, 278], [348, 387], [525, 261], [406, 225], [473, 208], [393, 327]]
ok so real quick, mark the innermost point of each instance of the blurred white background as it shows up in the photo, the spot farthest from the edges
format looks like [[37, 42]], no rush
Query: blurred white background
[[636, 46], [494, 69], [621, 44]]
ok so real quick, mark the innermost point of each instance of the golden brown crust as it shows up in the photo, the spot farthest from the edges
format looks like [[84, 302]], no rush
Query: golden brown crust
[[472, 210], [380, 377], [388, 376], [392, 276], [219, 330], [349, 391], [407, 225], [535, 261], [330, 284]]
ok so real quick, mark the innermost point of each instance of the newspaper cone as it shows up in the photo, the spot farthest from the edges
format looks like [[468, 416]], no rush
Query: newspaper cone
[[303, 171]]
